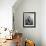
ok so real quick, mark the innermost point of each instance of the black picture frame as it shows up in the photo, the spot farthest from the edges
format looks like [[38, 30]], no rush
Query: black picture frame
[[29, 19]]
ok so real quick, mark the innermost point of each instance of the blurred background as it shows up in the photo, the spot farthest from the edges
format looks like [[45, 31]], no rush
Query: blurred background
[[17, 7]]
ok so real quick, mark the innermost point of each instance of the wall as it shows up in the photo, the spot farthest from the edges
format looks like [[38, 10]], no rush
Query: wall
[[43, 22], [37, 34], [6, 13]]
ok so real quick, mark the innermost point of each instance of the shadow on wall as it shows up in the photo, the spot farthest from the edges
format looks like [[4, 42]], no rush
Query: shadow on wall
[[17, 4]]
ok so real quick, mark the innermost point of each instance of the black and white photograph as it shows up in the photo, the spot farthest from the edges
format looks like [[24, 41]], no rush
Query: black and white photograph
[[29, 19]]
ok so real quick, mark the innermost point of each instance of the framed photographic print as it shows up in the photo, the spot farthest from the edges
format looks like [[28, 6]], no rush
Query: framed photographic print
[[29, 19]]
